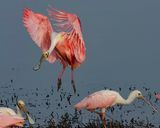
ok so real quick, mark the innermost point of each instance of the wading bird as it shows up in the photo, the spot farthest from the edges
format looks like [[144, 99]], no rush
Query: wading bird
[[9, 118], [66, 44], [107, 98]]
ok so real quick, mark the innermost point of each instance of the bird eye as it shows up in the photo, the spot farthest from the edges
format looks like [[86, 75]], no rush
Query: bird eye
[[139, 94]]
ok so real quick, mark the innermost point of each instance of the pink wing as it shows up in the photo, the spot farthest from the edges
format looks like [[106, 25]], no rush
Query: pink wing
[[70, 23], [40, 30], [96, 100], [6, 121], [38, 27]]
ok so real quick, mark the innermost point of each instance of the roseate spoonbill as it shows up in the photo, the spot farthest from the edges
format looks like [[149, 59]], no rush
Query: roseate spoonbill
[[66, 44], [158, 96], [107, 98], [8, 117]]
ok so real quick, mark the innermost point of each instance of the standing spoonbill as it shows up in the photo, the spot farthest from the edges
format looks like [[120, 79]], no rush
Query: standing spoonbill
[[9, 118], [66, 44], [107, 98]]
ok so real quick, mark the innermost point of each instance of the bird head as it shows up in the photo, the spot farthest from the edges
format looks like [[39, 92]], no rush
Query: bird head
[[45, 55], [139, 95], [21, 106]]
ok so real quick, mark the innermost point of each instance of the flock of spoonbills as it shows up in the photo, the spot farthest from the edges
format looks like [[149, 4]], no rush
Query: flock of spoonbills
[[63, 42]]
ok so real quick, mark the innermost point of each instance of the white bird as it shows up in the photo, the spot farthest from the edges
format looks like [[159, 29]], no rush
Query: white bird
[[8, 117], [107, 98]]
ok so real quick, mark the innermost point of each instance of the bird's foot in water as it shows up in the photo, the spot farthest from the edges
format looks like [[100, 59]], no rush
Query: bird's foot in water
[[59, 82], [73, 85]]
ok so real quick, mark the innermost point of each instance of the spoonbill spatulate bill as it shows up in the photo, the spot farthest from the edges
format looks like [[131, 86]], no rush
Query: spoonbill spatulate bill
[[10, 118], [108, 98], [63, 42]]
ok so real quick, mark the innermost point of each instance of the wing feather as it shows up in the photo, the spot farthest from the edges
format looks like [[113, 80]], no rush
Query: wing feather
[[70, 23], [39, 28]]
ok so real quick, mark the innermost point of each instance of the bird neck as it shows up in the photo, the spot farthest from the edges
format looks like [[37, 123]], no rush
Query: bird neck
[[129, 100], [55, 37], [19, 112]]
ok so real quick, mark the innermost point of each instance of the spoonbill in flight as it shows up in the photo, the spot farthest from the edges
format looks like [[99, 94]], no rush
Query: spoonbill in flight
[[9, 118], [65, 44], [107, 98]]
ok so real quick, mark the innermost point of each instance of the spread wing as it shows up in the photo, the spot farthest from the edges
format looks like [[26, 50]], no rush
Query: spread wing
[[70, 23], [38, 27]]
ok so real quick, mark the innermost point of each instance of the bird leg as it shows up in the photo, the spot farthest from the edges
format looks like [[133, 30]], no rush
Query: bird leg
[[111, 122], [43, 57], [59, 82], [72, 81], [102, 117]]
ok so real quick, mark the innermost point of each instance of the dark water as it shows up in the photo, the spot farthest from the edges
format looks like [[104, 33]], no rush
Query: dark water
[[122, 41], [48, 110]]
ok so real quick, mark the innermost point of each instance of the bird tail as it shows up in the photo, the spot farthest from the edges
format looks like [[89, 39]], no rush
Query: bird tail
[[80, 105]]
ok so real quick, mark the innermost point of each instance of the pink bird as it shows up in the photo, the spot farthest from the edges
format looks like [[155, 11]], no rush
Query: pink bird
[[9, 118], [10, 121], [158, 96], [105, 99], [66, 44]]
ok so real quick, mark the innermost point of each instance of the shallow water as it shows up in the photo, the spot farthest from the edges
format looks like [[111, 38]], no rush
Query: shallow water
[[46, 105]]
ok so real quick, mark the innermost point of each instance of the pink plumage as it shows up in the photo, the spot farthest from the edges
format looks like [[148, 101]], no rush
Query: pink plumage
[[158, 96], [108, 98], [70, 23], [100, 99], [69, 46], [8, 121], [40, 30], [38, 27]]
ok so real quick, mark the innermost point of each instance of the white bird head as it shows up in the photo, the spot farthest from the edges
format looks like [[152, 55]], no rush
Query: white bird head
[[21, 106], [138, 94]]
